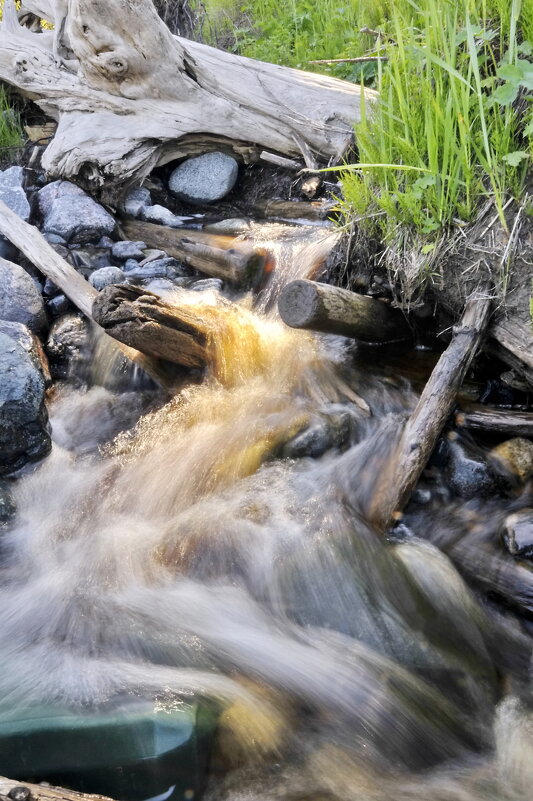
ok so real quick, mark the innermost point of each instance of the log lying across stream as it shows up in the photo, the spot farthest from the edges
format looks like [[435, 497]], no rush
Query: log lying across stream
[[511, 422], [29, 240], [142, 320], [422, 429], [220, 256], [326, 308]]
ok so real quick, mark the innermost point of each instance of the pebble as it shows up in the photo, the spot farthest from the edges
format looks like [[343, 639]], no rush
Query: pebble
[[59, 305], [136, 200], [121, 251], [204, 179], [163, 216], [158, 268], [106, 276]]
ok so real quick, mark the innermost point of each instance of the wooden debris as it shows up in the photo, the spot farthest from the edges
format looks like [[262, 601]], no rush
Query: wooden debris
[[34, 246], [43, 792], [217, 255], [134, 96], [512, 342], [407, 460], [511, 422], [293, 209], [332, 310], [142, 320]]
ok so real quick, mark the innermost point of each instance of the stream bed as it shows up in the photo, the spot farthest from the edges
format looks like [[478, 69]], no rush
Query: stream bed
[[194, 604]]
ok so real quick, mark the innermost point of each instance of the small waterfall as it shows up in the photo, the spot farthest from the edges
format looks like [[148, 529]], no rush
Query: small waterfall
[[182, 558]]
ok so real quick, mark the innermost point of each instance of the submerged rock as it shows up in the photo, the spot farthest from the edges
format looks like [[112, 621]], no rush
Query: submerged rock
[[162, 216], [517, 533], [20, 299], [72, 214], [204, 179], [24, 435]]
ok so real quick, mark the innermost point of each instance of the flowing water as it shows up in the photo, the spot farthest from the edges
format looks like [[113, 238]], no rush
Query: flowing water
[[185, 557]]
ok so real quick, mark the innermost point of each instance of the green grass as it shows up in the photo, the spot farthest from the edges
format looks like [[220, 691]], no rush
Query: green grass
[[440, 114], [11, 135]]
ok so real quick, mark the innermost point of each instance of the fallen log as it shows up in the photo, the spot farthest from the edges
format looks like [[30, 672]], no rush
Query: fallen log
[[43, 792], [214, 254], [419, 436], [512, 342], [136, 96], [511, 422], [34, 246], [142, 320], [312, 210], [332, 310]]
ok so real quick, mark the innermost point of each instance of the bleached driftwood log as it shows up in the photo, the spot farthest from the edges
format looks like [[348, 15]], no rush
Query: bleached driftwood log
[[41, 792], [139, 96]]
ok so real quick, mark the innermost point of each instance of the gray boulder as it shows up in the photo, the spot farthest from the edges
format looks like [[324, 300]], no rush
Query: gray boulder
[[106, 276], [13, 195], [24, 433], [13, 176], [7, 504], [204, 179], [20, 299], [72, 214], [517, 533]]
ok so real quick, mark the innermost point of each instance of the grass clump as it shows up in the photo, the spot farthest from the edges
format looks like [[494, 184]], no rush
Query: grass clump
[[11, 136], [454, 123]]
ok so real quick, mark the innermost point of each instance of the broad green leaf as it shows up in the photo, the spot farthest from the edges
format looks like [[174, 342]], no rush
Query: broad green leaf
[[510, 72], [505, 95], [514, 159], [526, 48], [528, 130]]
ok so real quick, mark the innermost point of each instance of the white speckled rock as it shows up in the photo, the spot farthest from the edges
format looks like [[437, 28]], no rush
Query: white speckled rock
[[204, 179], [106, 276], [20, 299], [71, 213]]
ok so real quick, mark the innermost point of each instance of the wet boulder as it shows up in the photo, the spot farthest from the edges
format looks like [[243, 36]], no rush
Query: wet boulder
[[204, 179], [67, 339], [517, 533], [513, 459], [72, 214], [7, 504], [24, 435], [20, 299], [137, 198], [467, 474]]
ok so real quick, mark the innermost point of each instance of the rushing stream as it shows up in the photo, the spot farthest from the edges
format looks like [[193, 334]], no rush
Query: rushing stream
[[185, 558]]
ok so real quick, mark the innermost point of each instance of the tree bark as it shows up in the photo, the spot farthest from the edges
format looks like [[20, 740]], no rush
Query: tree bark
[[326, 308], [220, 256], [140, 319], [138, 96], [34, 246], [40, 792], [510, 422], [407, 460]]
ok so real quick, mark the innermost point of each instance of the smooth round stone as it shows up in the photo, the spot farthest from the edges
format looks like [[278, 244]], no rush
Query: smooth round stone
[[204, 179], [106, 276]]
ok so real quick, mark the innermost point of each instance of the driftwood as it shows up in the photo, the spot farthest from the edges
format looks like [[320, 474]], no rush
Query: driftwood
[[40, 792], [142, 320], [293, 209], [220, 256], [34, 246], [418, 438], [133, 96], [513, 423], [512, 341], [332, 310]]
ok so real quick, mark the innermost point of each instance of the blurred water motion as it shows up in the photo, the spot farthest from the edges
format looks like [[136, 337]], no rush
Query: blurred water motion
[[183, 557]]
